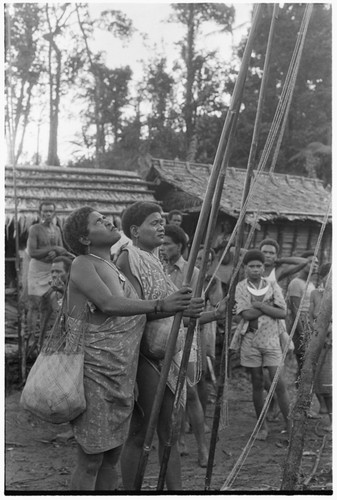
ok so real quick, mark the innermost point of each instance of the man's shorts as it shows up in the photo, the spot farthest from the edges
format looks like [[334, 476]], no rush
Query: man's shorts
[[253, 357]]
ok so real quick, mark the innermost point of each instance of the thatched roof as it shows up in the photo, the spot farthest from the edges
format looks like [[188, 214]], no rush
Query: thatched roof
[[108, 191], [276, 196]]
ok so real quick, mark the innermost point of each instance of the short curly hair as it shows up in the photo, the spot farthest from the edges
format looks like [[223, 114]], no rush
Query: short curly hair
[[65, 260], [271, 242], [46, 202], [136, 213], [76, 226], [177, 235], [174, 212], [253, 254]]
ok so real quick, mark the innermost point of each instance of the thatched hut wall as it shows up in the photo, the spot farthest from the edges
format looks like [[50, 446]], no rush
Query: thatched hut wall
[[291, 208], [108, 191]]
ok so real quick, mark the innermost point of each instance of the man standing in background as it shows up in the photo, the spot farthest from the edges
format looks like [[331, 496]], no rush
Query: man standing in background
[[296, 290], [43, 245]]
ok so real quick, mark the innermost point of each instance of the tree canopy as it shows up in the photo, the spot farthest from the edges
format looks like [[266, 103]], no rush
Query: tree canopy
[[178, 108], [310, 116]]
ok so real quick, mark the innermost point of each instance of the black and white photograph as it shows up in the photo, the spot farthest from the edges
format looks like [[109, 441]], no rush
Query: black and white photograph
[[168, 248]]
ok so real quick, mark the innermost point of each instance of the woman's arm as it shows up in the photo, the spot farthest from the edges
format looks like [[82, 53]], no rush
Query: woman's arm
[[110, 301], [124, 265]]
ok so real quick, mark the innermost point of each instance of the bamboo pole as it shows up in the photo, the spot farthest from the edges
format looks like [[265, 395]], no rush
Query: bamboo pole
[[210, 232], [204, 213], [178, 317], [224, 364], [174, 427], [222, 375], [257, 128], [302, 405]]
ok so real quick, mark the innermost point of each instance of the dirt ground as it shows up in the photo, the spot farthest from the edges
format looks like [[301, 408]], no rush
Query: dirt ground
[[39, 459]]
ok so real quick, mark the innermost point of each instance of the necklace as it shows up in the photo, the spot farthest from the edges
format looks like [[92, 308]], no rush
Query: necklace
[[257, 291], [112, 265]]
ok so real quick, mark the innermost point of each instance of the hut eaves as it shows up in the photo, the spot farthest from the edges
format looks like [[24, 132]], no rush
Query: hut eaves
[[276, 196], [108, 191]]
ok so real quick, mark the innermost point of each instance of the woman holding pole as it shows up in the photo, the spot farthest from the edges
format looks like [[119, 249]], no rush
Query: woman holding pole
[[103, 306], [144, 223]]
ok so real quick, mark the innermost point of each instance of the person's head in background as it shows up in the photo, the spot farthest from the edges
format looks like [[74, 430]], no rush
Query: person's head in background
[[60, 269], [210, 260], [174, 243], [270, 249], [323, 273], [253, 261], [226, 226], [47, 211], [175, 217]]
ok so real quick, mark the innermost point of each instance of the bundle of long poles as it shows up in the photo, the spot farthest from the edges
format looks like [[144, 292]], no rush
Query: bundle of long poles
[[223, 146], [224, 367]]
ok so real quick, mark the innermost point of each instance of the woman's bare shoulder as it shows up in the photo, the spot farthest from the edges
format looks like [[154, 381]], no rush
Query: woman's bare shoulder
[[81, 262]]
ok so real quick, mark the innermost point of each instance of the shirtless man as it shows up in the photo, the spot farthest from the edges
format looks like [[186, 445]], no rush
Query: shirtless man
[[43, 245], [277, 269], [103, 304]]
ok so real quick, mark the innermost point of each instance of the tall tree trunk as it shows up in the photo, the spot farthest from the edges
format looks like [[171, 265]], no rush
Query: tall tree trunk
[[100, 139], [25, 123], [190, 78], [192, 149], [53, 158], [302, 405]]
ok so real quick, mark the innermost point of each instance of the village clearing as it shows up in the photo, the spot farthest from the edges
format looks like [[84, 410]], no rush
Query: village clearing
[[40, 457]]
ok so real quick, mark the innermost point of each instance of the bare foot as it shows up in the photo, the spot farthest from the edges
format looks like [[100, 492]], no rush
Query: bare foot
[[273, 416], [183, 450], [262, 435], [203, 458]]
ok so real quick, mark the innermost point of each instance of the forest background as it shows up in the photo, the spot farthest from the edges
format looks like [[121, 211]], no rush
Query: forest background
[[176, 107]]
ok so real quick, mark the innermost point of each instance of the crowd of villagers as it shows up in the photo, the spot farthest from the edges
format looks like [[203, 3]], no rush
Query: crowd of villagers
[[123, 299]]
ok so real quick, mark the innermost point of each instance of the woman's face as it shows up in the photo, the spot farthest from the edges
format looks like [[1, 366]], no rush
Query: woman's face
[[151, 232], [101, 231]]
